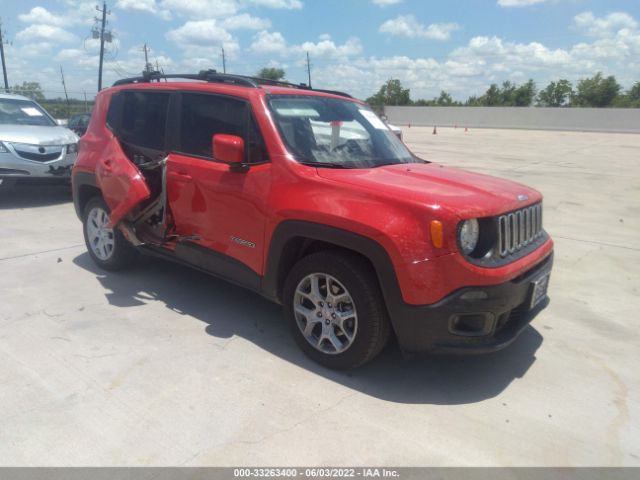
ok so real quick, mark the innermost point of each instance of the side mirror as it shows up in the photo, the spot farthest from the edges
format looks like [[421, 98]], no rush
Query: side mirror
[[228, 149]]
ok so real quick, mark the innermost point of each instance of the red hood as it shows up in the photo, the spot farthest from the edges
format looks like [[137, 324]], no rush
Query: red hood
[[463, 193]]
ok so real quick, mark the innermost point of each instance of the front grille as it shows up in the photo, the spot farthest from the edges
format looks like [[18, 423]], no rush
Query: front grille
[[518, 229], [38, 157]]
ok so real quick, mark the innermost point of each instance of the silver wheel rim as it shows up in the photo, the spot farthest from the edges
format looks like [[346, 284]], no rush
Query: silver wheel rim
[[101, 238], [325, 313]]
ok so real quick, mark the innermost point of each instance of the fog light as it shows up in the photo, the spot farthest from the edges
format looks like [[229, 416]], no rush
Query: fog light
[[471, 324]]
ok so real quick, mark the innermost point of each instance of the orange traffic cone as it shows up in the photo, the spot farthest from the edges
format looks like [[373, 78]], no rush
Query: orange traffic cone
[[409, 125], [435, 131], [466, 129]]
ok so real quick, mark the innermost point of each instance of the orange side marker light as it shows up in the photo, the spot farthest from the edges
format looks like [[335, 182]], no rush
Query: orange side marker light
[[437, 237]]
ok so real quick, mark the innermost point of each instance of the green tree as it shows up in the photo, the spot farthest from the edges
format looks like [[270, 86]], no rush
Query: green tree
[[523, 95], [32, 90], [391, 93], [444, 99], [271, 73], [556, 94], [634, 92], [492, 97], [596, 91]]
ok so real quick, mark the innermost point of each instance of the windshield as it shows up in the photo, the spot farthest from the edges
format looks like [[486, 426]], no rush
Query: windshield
[[329, 132], [15, 111]]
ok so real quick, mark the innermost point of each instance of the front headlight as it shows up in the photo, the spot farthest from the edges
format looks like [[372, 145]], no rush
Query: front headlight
[[3, 149], [72, 148], [468, 235]]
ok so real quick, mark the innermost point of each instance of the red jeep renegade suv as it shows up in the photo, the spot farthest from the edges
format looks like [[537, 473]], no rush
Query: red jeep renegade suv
[[307, 197]]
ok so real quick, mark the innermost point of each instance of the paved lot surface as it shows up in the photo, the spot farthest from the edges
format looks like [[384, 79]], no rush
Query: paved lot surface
[[166, 366]]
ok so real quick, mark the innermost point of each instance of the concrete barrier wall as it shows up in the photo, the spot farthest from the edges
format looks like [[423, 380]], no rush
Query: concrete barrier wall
[[624, 120]]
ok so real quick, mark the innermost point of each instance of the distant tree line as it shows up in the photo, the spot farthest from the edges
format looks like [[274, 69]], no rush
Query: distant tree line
[[58, 107], [597, 91]]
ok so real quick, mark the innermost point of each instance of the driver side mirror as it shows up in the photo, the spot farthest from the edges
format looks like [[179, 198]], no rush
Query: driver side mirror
[[228, 149]]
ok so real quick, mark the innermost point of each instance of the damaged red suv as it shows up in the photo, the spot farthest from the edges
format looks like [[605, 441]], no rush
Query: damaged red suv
[[306, 197]]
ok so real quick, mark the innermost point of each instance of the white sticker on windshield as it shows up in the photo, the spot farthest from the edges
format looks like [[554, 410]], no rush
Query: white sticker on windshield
[[32, 112], [373, 120]]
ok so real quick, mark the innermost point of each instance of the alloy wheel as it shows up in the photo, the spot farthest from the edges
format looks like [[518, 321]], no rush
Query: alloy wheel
[[325, 313]]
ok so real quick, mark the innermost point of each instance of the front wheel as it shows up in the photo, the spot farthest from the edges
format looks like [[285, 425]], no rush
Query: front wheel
[[335, 309], [107, 246]]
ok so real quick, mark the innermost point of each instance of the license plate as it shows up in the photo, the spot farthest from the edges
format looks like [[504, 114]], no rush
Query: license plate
[[540, 289]]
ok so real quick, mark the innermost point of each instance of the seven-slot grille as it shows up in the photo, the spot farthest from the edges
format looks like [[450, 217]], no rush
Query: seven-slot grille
[[517, 229]]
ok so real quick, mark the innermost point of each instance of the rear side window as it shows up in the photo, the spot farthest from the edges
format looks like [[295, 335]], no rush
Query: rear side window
[[203, 116], [140, 118]]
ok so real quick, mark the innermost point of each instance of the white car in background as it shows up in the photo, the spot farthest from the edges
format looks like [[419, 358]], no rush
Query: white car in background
[[32, 145]]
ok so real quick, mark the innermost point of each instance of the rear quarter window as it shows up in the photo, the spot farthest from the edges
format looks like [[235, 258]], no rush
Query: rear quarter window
[[140, 118]]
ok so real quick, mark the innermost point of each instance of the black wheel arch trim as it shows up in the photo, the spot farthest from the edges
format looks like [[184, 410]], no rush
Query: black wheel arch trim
[[376, 254], [81, 179]]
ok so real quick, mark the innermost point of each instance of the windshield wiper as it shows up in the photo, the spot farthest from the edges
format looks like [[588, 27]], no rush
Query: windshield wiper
[[323, 164]]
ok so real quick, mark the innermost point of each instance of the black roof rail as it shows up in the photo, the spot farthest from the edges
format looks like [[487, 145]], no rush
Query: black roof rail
[[216, 77], [203, 75]]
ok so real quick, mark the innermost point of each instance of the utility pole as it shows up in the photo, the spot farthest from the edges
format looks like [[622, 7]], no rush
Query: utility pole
[[224, 62], [309, 69], [64, 86], [102, 40], [86, 106], [4, 65]]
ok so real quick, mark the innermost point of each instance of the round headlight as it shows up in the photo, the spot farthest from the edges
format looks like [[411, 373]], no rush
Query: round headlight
[[468, 236]]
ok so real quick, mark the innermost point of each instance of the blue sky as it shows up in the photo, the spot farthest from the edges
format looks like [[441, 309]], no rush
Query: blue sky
[[460, 46]]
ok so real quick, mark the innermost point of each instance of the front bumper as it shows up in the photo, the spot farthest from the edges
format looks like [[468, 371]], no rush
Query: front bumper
[[13, 166], [501, 315]]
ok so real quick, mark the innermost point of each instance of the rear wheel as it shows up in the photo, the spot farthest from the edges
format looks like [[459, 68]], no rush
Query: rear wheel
[[335, 309], [107, 246]]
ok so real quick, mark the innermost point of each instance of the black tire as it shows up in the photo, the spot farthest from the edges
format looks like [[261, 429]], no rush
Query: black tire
[[122, 255], [359, 279]]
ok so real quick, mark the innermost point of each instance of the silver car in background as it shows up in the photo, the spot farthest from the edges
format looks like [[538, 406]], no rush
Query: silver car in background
[[32, 144]]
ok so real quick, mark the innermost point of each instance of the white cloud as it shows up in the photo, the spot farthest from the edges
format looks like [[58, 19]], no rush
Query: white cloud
[[149, 6], [42, 16], [605, 26], [199, 9], [246, 21], [199, 33], [283, 4], [265, 42], [203, 38], [408, 26], [519, 3], [327, 48], [50, 33], [470, 69], [385, 3], [202, 8]]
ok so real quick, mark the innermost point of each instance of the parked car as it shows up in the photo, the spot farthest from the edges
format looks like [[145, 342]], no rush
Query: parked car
[[32, 145], [306, 197], [79, 123]]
